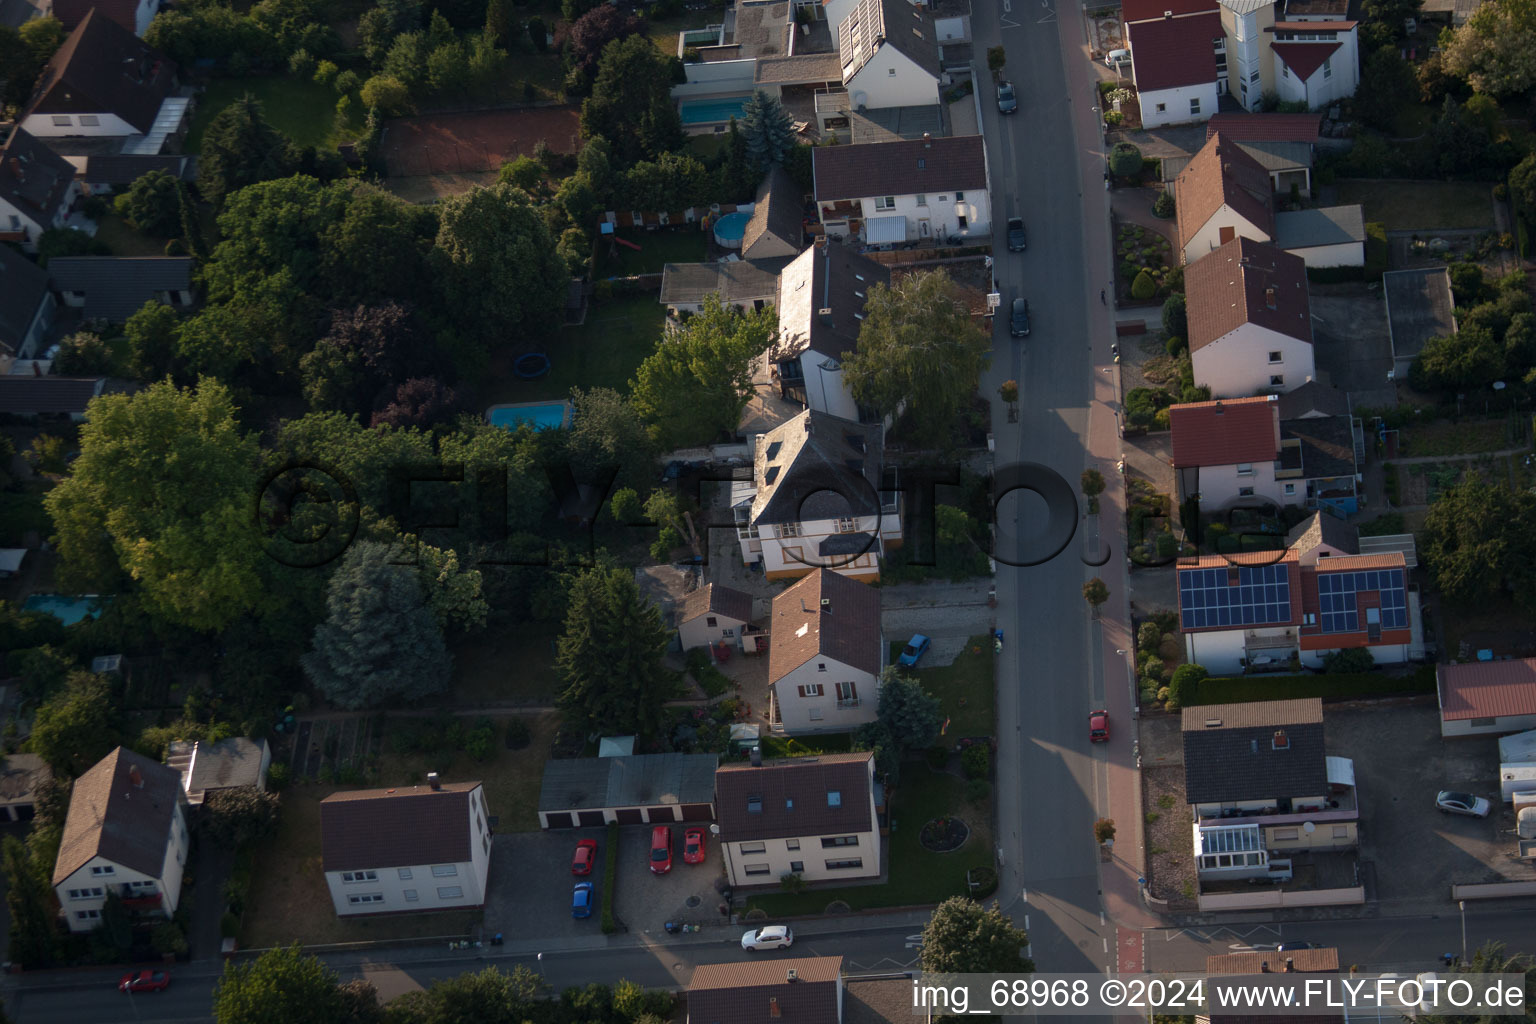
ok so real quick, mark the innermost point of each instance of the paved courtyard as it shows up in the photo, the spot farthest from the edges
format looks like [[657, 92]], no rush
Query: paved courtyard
[[687, 895]]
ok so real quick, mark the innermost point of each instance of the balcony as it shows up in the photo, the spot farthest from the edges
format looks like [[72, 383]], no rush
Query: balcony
[[848, 704], [1255, 642]]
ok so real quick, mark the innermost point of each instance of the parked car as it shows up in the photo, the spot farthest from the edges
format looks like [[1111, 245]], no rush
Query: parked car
[[693, 846], [1018, 322], [1117, 59], [144, 981], [1016, 240], [1007, 102], [1462, 803], [584, 857], [916, 648], [661, 850], [1098, 726], [775, 936], [581, 899]]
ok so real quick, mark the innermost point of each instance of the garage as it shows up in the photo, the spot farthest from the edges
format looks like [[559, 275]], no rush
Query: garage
[[20, 777], [637, 789]]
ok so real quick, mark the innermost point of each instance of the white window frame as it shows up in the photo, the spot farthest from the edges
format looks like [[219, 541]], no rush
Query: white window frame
[[1194, 105], [359, 898], [787, 530], [1276, 357], [410, 895], [755, 869], [450, 892], [89, 121], [88, 915], [922, 200], [358, 877], [885, 202], [1277, 380], [405, 874], [754, 848], [1245, 492], [445, 871], [1245, 469], [62, 120]]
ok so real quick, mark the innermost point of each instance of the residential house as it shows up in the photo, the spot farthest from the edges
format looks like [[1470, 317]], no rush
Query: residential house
[[1250, 320], [37, 189], [744, 284], [1251, 612], [890, 55], [817, 500], [100, 174], [809, 816], [714, 614], [16, 13], [126, 832], [1285, 144], [225, 764], [929, 189], [30, 396], [1323, 536], [1304, 51], [777, 227], [1260, 785], [26, 304], [104, 82], [1487, 698], [821, 309], [1227, 452], [1262, 961], [1420, 306], [21, 776], [1453, 13], [113, 288], [133, 15], [756, 45], [632, 789], [876, 1000], [825, 652], [385, 851], [1178, 56], [1225, 192], [802, 990]]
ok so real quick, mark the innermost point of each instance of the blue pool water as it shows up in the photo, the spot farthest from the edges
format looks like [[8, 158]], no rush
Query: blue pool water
[[539, 415], [68, 610], [711, 111], [730, 228]]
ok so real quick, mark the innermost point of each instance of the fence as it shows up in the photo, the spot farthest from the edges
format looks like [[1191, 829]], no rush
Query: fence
[[1493, 890], [1275, 899]]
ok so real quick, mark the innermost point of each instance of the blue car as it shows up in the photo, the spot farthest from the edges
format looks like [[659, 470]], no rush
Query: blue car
[[916, 648], [581, 900]]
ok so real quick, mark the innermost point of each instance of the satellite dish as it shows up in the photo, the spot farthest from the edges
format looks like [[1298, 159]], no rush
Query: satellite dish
[[714, 830], [1309, 828]]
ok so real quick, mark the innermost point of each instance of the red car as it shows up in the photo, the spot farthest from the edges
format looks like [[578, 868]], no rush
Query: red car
[[586, 853], [661, 850], [693, 846], [1098, 726], [144, 981]]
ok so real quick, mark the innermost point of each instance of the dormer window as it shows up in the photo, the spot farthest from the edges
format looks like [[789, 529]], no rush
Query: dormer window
[[1281, 740], [834, 798], [754, 805]]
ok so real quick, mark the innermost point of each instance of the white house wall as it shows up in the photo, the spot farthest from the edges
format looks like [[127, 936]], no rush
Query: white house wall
[[786, 557], [1347, 254], [891, 79], [1237, 365], [60, 125], [1208, 239], [1175, 103], [821, 713], [393, 887], [776, 859], [698, 633], [1220, 485], [168, 884], [1221, 653], [716, 78], [937, 215], [1487, 726], [143, 15]]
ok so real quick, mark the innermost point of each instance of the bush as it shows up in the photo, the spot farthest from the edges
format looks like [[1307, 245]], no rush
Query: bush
[[229, 926], [1144, 287], [1175, 316], [976, 761], [278, 776], [977, 790], [1184, 684], [1153, 669], [1125, 161], [480, 742], [1241, 689], [610, 874], [1176, 347], [1163, 206], [938, 757], [1349, 660], [168, 938], [791, 882]]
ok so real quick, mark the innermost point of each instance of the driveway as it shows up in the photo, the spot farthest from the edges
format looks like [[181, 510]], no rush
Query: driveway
[[949, 614], [686, 894], [1401, 762], [530, 886]]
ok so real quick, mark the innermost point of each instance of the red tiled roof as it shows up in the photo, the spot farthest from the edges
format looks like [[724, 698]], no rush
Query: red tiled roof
[[1487, 689], [761, 992], [1232, 286], [1304, 58], [1225, 433], [1174, 51], [1223, 174], [846, 628], [1148, 10], [1265, 127], [1350, 563]]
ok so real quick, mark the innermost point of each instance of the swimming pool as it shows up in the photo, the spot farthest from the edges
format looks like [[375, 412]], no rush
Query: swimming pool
[[538, 415], [68, 609], [711, 111], [730, 228]]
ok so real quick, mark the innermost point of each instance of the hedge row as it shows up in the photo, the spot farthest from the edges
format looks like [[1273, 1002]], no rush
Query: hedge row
[[1241, 689], [610, 873]]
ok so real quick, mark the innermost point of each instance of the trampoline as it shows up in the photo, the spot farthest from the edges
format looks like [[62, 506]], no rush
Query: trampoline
[[531, 365]]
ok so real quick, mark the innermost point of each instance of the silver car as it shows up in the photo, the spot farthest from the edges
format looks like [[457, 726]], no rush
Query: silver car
[[1007, 102], [1462, 803], [775, 936]]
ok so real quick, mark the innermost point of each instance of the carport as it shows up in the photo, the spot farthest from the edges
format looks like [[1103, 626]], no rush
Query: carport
[[641, 789]]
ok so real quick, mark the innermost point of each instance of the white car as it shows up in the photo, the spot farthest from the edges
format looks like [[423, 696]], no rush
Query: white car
[[775, 936], [1462, 803]]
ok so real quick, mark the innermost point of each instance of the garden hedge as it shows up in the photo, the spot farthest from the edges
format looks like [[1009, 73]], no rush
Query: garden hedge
[[1241, 689], [610, 873]]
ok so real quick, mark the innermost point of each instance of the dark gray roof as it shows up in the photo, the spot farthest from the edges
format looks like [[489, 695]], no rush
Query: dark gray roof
[[814, 467], [832, 277], [777, 227], [33, 178], [876, 23], [400, 827], [16, 13], [890, 124], [792, 797], [734, 281], [717, 599], [1312, 399], [1419, 307], [23, 287], [903, 167], [120, 810], [32, 396], [115, 288], [800, 69], [1277, 155], [127, 168], [640, 780], [1327, 445], [1328, 225], [103, 68], [1324, 528], [1230, 751]]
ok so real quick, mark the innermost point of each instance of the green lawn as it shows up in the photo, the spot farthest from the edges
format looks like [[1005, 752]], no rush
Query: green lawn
[[303, 111], [507, 664], [603, 352], [966, 690], [1421, 205], [704, 147], [1465, 438], [918, 876], [114, 232], [684, 244]]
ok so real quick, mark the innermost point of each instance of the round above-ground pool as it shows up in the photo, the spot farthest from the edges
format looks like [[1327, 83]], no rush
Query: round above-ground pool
[[730, 228], [531, 365], [538, 415]]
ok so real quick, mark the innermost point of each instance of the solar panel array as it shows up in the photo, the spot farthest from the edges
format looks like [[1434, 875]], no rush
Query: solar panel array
[[1337, 594], [1261, 597]]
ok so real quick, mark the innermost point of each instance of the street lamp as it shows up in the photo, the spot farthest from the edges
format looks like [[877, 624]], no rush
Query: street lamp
[[1462, 905]]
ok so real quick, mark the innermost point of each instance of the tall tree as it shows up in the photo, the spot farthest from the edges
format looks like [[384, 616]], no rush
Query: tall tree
[[165, 478], [240, 148], [489, 996], [631, 103], [367, 352], [77, 726], [191, 228], [1495, 51], [920, 348], [963, 937], [152, 204], [380, 640], [418, 402], [608, 434], [377, 250], [610, 654], [282, 986], [34, 935], [695, 385], [151, 334], [1479, 542], [498, 21], [496, 263], [1493, 958], [910, 712], [593, 31], [768, 129]]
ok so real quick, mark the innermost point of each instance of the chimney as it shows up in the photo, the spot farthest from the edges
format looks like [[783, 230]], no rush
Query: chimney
[[135, 777], [826, 606], [927, 140], [773, 1007], [824, 315], [1220, 409], [434, 781], [757, 757], [1264, 967], [1290, 965], [1270, 296], [1282, 741], [792, 975]]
